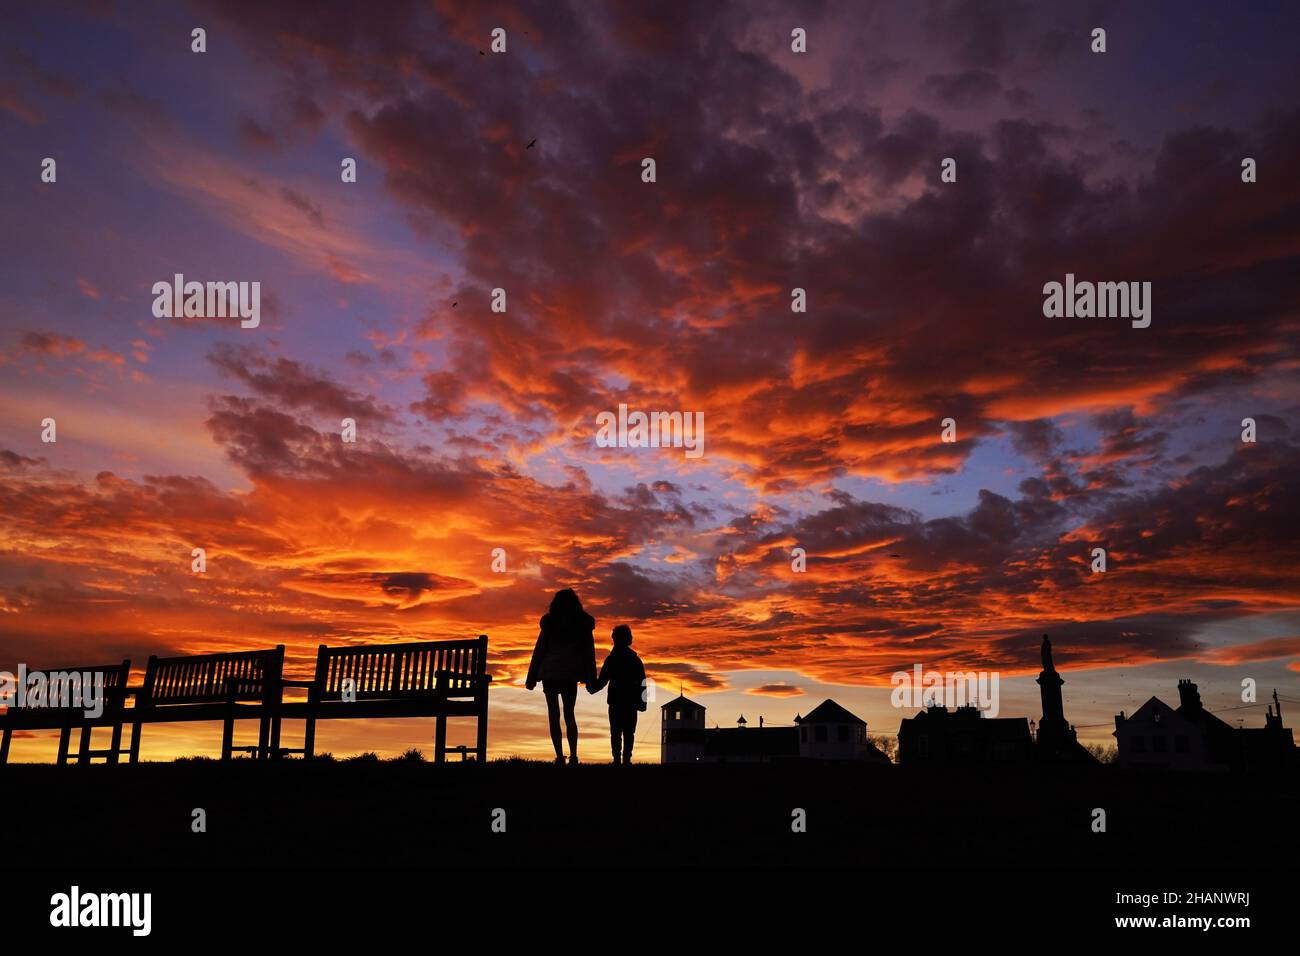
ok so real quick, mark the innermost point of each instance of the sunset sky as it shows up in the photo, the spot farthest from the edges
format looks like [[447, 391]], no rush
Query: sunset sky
[[476, 429]]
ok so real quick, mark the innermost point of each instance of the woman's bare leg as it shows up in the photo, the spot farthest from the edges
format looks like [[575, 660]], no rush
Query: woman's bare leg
[[553, 715], [570, 722]]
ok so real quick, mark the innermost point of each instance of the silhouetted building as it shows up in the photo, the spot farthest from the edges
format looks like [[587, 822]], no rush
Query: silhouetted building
[[682, 739], [1271, 746], [829, 732], [1056, 741], [1192, 738], [744, 744], [963, 736]]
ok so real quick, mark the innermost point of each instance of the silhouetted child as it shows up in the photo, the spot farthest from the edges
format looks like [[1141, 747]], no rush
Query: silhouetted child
[[625, 675]]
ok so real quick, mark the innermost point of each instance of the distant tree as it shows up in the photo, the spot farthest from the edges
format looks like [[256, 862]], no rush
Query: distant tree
[[413, 755], [1105, 753], [886, 745]]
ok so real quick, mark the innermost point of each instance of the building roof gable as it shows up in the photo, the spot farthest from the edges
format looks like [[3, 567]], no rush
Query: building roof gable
[[829, 712]]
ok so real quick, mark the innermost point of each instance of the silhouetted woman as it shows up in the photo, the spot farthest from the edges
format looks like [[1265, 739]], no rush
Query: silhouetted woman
[[564, 656]]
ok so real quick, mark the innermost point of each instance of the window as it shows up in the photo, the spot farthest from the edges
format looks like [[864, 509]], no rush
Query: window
[[923, 745], [803, 735], [1180, 743], [1139, 744], [842, 733], [819, 733], [862, 734], [1160, 744]]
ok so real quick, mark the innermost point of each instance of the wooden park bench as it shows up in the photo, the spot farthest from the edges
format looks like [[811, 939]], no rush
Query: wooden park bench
[[72, 717], [225, 687], [436, 679]]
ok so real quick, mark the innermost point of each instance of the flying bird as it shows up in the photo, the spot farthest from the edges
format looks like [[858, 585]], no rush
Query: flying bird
[[531, 145]]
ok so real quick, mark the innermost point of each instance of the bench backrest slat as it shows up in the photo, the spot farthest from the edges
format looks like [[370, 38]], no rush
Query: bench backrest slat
[[395, 671], [207, 678]]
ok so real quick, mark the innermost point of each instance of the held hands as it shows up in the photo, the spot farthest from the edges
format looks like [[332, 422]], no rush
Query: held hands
[[530, 684]]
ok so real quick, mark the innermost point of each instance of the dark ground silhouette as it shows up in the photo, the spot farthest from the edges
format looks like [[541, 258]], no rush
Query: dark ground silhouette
[[359, 812]]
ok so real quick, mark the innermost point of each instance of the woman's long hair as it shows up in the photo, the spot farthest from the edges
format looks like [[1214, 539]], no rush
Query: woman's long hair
[[566, 604]]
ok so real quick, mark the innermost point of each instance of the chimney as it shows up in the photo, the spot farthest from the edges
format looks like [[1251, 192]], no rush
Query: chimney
[[1188, 696], [1273, 721]]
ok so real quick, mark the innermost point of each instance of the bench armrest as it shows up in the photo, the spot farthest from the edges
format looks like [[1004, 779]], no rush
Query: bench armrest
[[298, 683]]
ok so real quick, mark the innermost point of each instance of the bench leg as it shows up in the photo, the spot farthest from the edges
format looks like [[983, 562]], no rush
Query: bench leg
[[482, 734], [117, 743], [4, 745], [135, 741], [309, 739], [227, 737], [263, 738], [83, 746], [275, 737], [65, 736], [440, 740]]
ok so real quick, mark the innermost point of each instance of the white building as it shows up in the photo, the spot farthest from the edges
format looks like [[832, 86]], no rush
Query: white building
[[830, 732]]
